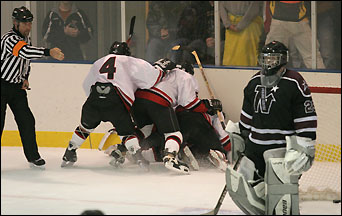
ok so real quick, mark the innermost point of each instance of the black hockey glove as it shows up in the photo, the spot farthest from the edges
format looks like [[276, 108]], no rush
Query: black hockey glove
[[213, 105], [165, 65]]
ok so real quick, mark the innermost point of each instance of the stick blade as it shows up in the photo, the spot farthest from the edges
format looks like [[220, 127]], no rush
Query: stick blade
[[176, 47], [212, 212], [131, 27]]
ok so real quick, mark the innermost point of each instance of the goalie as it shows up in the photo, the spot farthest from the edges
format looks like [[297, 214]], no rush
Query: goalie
[[275, 138]]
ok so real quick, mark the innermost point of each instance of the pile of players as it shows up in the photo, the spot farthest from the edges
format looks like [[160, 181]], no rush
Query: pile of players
[[154, 109]]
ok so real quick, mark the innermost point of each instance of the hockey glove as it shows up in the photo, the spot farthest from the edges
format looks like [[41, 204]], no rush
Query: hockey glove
[[165, 65], [213, 105], [299, 156]]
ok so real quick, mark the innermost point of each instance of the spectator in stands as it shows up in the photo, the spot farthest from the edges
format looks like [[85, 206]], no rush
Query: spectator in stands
[[243, 23], [67, 27], [161, 24], [196, 31], [290, 23], [326, 10]]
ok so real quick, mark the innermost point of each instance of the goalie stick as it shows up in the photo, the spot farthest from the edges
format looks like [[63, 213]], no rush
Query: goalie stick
[[131, 28], [224, 192]]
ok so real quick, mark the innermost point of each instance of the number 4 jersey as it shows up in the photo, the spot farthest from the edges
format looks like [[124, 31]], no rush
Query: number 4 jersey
[[273, 113], [125, 72]]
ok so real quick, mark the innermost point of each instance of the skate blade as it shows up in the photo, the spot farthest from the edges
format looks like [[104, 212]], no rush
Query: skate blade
[[33, 166], [184, 170], [67, 164], [144, 167]]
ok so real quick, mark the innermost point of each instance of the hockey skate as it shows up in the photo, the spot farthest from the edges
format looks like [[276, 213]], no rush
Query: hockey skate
[[141, 161], [39, 163], [218, 159], [187, 157], [118, 158], [69, 157], [171, 163]]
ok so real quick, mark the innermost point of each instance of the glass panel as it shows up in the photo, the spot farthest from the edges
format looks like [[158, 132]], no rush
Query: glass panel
[[160, 25]]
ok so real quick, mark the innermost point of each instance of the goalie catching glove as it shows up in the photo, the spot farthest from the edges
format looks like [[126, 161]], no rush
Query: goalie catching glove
[[213, 105], [165, 65], [299, 156]]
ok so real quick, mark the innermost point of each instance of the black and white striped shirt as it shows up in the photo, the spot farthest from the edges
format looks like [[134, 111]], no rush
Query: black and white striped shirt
[[16, 53]]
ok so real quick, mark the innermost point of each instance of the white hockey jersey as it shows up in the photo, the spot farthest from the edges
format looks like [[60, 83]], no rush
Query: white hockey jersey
[[176, 88], [124, 72]]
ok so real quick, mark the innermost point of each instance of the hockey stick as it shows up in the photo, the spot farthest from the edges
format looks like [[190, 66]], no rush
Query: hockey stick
[[224, 192], [131, 28], [219, 114]]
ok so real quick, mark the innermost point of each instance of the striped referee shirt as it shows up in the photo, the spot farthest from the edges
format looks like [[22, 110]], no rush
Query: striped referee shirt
[[16, 53]]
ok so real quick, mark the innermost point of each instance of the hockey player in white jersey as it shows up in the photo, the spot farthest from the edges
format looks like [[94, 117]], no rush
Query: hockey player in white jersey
[[156, 106], [111, 84]]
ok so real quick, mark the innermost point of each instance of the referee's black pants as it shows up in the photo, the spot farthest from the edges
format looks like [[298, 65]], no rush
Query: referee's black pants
[[16, 98]]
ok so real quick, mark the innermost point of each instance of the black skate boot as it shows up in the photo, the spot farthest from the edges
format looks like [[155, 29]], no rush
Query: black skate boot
[[173, 164], [39, 163], [69, 157]]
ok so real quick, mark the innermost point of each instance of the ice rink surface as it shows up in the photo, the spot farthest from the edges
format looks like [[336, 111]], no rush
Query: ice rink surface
[[93, 184]]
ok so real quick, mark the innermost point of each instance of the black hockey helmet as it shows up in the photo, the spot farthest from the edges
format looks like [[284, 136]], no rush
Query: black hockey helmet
[[186, 66], [22, 14], [119, 48], [273, 56]]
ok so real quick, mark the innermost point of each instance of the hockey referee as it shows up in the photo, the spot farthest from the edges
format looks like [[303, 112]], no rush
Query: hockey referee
[[16, 53]]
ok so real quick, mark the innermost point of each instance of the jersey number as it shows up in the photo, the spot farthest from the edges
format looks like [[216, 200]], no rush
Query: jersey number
[[109, 67]]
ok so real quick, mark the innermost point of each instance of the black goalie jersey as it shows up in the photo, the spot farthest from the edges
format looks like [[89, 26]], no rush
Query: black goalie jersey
[[270, 114]]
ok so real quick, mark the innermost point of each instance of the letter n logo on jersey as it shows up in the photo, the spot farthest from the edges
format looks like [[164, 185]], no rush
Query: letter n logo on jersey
[[262, 102]]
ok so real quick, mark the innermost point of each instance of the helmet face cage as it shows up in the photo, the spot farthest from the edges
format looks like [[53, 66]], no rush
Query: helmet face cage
[[22, 14], [119, 49], [271, 62]]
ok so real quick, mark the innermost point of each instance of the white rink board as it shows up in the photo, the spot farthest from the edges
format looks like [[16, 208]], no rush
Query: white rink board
[[57, 97]]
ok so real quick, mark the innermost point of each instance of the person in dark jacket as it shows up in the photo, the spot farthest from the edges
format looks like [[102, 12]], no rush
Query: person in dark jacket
[[67, 27]]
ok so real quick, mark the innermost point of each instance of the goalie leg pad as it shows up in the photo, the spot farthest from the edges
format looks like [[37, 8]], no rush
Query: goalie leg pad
[[281, 189], [243, 194]]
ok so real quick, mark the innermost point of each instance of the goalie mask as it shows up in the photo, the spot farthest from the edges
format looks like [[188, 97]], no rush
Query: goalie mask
[[271, 59], [119, 48]]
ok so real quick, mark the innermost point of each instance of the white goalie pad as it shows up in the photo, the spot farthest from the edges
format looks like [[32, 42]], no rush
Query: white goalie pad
[[237, 142], [281, 189], [246, 197]]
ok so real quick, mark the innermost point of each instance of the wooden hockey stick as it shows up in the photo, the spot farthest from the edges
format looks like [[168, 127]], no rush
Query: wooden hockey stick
[[219, 114], [131, 28], [224, 192]]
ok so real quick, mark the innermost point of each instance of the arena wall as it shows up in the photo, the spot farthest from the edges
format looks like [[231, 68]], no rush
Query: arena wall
[[57, 96]]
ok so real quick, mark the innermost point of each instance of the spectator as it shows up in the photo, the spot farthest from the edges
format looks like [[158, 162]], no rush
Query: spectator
[[326, 32], [244, 24], [161, 23], [196, 31], [16, 54], [67, 27], [290, 23]]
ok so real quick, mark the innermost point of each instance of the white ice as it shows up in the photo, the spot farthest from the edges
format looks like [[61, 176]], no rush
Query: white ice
[[93, 184]]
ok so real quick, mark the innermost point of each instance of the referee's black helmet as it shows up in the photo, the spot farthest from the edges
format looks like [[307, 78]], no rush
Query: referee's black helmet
[[22, 14]]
